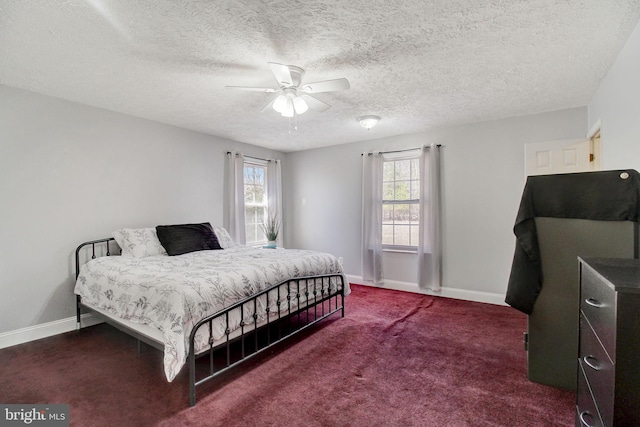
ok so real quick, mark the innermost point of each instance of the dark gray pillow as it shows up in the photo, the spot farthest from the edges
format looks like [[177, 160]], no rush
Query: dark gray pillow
[[184, 238]]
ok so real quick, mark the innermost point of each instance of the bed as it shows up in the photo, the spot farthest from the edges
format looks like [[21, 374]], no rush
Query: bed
[[232, 300]]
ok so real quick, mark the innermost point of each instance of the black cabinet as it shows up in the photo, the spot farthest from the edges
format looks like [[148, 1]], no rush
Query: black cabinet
[[553, 326]]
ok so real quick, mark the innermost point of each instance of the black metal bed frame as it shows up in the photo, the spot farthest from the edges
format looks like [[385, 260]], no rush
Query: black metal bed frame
[[254, 338]]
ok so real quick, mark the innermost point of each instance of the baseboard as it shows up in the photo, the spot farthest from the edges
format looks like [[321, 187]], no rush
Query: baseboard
[[32, 333], [455, 293], [44, 330]]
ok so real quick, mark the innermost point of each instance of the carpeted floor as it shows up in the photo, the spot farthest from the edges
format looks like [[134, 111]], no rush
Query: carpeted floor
[[396, 359]]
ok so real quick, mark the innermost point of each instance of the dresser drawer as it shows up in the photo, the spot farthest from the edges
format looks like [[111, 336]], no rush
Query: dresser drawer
[[598, 370], [609, 348], [598, 305], [586, 409]]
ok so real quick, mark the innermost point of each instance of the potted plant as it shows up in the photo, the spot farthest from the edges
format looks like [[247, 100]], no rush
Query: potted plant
[[271, 229]]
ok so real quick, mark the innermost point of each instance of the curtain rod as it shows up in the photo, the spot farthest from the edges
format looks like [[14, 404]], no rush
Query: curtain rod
[[398, 151], [251, 157]]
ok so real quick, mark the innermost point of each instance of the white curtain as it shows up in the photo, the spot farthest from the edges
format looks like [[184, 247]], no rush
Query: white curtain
[[372, 217], [234, 198], [430, 239], [274, 193]]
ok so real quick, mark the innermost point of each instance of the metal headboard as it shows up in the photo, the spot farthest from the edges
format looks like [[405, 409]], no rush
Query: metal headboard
[[93, 244]]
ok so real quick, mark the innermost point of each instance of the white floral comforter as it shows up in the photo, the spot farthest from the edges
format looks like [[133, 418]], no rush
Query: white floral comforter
[[172, 293]]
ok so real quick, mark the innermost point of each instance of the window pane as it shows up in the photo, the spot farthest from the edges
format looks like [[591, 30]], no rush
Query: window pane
[[415, 235], [254, 175], [403, 169], [401, 214], [254, 194], [387, 171], [254, 217], [387, 191], [415, 190], [402, 233], [415, 169], [387, 214], [402, 190], [254, 184], [387, 234], [414, 213]]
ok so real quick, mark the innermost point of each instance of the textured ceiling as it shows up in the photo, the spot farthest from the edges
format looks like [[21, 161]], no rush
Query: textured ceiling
[[419, 64]]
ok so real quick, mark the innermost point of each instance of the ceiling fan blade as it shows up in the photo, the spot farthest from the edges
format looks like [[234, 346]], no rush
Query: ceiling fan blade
[[253, 89], [282, 74], [315, 103], [326, 86]]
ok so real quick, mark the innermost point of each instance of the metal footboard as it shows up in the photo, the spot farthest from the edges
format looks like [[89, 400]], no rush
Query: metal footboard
[[299, 303], [316, 298]]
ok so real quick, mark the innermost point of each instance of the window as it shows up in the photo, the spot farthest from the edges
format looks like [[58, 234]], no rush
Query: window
[[400, 203], [255, 201]]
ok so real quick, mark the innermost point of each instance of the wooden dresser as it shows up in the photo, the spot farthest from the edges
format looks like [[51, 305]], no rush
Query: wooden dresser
[[609, 347]]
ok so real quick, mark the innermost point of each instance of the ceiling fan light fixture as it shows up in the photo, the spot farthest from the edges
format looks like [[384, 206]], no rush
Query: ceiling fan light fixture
[[368, 122], [288, 109], [300, 105], [280, 103]]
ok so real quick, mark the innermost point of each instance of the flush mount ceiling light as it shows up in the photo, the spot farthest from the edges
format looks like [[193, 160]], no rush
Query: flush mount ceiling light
[[368, 122]]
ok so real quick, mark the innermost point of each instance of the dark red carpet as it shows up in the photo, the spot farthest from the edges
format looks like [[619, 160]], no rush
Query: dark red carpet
[[396, 359]]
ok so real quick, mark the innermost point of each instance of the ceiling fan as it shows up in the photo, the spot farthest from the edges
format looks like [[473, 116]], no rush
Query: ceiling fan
[[294, 97]]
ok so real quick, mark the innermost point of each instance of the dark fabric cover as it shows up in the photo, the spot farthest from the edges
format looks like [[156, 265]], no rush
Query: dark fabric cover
[[604, 196], [184, 238]]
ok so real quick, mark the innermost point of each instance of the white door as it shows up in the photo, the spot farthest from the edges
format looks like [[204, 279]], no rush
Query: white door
[[553, 157]]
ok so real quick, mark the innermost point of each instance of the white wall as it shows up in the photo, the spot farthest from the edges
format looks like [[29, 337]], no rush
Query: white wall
[[483, 178], [71, 173], [616, 104]]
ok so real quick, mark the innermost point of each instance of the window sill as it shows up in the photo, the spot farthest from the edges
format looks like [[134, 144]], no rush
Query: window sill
[[401, 251]]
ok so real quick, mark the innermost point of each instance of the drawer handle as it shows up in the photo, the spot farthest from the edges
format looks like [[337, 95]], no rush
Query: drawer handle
[[584, 414], [588, 360], [594, 302]]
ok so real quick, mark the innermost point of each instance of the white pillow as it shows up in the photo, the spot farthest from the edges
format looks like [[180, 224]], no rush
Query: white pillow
[[139, 242], [224, 239]]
